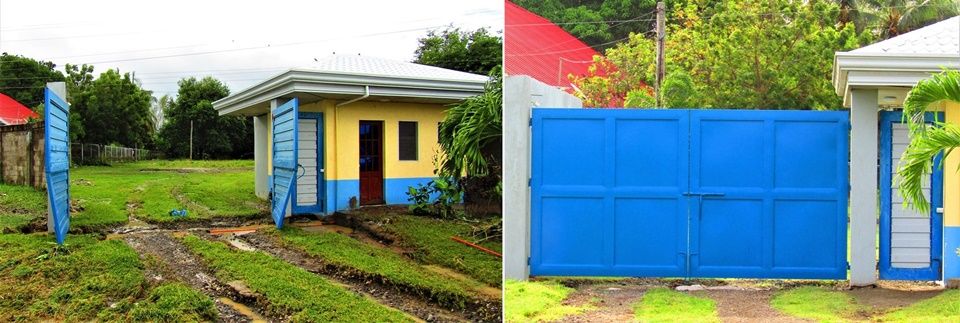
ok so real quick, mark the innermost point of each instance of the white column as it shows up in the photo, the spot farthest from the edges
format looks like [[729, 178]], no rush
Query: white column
[[863, 187], [260, 156], [516, 171]]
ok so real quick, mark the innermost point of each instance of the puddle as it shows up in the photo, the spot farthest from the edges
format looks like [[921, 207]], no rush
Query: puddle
[[243, 309], [241, 245]]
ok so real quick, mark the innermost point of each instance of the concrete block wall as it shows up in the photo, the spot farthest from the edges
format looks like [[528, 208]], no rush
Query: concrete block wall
[[21, 155]]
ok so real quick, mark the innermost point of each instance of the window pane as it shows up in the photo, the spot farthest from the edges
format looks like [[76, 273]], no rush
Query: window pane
[[408, 140]]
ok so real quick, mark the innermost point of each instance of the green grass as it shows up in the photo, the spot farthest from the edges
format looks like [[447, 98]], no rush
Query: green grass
[[175, 302], [430, 240], [290, 289], [106, 194], [942, 308], [372, 261], [815, 303], [537, 301], [95, 280], [667, 305], [19, 205]]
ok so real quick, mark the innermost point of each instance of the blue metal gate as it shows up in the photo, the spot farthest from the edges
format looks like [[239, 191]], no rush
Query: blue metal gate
[[910, 243], [56, 156], [689, 193], [285, 136]]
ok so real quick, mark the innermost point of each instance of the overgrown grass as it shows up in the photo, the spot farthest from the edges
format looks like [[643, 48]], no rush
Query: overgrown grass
[[290, 289], [372, 261], [815, 303], [95, 280], [19, 205], [667, 305], [430, 240], [175, 302], [942, 308], [151, 189], [537, 301]]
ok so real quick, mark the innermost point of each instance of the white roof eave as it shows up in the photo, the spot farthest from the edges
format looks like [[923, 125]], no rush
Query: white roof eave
[[885, 69], [324, 82]]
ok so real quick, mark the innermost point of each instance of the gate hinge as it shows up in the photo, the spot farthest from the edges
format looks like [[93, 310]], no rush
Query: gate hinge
[[528, 261], [530, 122], [529, 182]]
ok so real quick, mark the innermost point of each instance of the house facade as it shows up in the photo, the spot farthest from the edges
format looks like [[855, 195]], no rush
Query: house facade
[[367, 128]]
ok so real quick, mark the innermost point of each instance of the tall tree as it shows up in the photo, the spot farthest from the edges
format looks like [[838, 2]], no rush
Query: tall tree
[[773, 54], [23, 78], [112, 108], [159, 107], [889, 18], [477, 52], [214, 136]]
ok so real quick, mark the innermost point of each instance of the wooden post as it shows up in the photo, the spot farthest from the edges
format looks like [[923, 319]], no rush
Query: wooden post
[[661, 35], [191, 139]]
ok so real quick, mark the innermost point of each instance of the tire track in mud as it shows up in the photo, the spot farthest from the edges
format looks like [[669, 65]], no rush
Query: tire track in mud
[[393, 296], [181, 265]]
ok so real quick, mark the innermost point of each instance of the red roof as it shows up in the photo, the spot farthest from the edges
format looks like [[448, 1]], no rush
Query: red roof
[[536, 47], [12, 112]]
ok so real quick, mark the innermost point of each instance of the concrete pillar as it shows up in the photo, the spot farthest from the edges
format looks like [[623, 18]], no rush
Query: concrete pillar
[[863, 187], [521, 93], [260, 155], [951, 208]]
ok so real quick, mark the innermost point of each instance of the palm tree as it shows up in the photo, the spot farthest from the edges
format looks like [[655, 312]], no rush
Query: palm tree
[[892, 18], [926, 142]]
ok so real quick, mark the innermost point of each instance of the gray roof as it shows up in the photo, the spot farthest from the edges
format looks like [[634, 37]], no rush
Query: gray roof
[[939, 38], [355, 64]]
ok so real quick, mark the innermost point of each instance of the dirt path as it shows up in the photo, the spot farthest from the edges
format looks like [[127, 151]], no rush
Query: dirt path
[[414, 304], [179, 264], [746, 306], [613, 302]]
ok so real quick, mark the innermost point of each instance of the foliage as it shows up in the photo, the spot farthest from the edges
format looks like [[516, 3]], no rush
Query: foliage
[[23, 78], [886, 18], [288, 289], [926, 142], [815, 303], [112, 108], [444, 193], [478, 51], [941, 308], [159, 109], [598, 22], [469, 130], [375, 262], [765, 54], [666, 305], [537, 301], [214, 136], [431, 244]]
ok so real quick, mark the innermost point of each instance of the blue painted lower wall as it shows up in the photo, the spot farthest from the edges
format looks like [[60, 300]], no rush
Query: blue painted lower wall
[[339, 192], [951, 260]]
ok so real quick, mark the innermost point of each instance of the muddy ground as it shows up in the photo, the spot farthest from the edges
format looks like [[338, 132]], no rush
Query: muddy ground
[[737, 300]]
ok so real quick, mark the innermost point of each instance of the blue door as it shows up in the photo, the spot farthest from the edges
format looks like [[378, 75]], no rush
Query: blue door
[[56, 156], [910, 242], [285, 136], [689, 193], [310, 190]]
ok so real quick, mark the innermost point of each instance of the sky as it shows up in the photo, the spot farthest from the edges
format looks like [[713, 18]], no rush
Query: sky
[[239, 42]]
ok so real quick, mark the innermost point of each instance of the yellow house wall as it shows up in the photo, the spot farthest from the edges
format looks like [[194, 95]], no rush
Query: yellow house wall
[[951, 179]]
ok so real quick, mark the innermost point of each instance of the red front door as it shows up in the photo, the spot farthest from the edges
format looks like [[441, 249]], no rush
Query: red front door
[[371, 162]]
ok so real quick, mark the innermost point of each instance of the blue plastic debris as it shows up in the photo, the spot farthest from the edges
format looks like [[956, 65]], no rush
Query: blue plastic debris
[[180, 212]]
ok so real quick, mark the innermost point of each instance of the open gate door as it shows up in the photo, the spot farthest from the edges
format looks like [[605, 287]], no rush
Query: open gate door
[[285, 128], [56, 156]]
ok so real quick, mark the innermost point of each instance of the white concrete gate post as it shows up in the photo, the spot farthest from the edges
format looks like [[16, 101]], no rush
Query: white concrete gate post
[[864, 125]]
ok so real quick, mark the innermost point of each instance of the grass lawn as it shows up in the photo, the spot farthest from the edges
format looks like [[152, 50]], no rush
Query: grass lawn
[[942, 308], [373, 261], [151, 189], [290, 289], [815, 303], [430, 240], [19, 205], [667, 305], [95, 280], [537, 301]]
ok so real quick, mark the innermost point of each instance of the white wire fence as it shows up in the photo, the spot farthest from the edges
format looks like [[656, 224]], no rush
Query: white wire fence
[[94, 154]]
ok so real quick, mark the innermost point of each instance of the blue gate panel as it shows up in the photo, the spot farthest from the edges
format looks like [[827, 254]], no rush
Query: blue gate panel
[[285, 128], [56, 116], [694, 193]]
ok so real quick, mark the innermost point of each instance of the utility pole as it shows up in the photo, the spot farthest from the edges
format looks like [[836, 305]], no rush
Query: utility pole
[[191, 139], [661, 35]]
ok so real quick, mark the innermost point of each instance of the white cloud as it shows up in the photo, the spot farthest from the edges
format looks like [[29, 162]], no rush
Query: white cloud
[[251, 39]]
